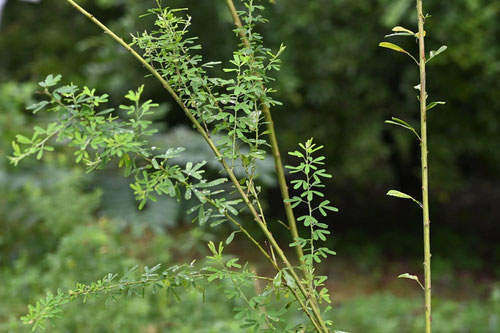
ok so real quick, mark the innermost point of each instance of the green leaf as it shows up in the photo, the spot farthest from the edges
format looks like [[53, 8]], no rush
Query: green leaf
[[402, 123], [155, 164], [392, 47], [433, 104], [233, 263], [218, 222], [231, 237], [277, 280], [188, 193], [22, 139], [212, 183], [397, 48], [398, 194], [17, 149], [50, 81], [201, 216], [103, 112], [436, 53], [410, 277], [38, 106], [400, 31], [327, 250], [289, 279], [296, 153]]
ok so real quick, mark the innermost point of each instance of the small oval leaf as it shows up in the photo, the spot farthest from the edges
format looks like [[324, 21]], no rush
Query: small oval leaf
[[408, 276], [394, 193], [231, 237], [392, 47], [436, 53], [401, 29], [398, 194], [411, 277]]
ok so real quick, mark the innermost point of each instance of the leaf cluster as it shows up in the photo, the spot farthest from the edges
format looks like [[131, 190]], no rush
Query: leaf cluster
[[313, 173], [176, 277]]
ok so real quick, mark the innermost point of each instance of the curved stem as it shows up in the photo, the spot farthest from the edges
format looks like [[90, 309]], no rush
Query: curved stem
[[425, 176]]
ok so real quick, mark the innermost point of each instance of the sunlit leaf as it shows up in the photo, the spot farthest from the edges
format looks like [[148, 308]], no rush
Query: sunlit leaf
[[393, 47], [410, 277], [397, 48], [398, 194]]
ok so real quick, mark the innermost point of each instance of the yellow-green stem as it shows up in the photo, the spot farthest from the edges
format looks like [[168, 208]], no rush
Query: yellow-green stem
[[425, 167], [278, 164]]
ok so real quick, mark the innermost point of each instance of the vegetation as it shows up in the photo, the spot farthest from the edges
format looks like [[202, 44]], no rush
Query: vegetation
[[218, 176]]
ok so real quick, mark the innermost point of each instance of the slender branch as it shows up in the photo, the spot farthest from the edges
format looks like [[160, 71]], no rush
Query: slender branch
[[282, 181], [425, 176], [244, 231], [278, 164], [15, 160]]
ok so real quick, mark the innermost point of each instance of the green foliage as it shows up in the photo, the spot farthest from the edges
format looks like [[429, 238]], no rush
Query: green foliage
[[226, 100], [230, 108], [259, 312], [309, 83], [94, 250], [310, 168], [90, 130], [387, 313], [174, 277]]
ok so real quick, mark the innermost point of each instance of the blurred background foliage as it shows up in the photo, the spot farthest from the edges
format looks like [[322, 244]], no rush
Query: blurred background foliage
[[59, 225]]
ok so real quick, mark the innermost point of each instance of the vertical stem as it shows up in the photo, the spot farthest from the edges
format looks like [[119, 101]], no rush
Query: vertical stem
[[278, 164], [425, 179]]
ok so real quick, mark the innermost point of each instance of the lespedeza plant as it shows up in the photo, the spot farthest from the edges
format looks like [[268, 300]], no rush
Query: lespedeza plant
[[233, 116]]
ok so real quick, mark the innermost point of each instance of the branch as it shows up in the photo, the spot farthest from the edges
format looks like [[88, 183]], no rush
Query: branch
[[278, 164]]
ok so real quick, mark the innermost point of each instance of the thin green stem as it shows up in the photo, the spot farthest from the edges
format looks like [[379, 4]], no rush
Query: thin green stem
[[311, 227], [283, 185], [278, 164], [15, 160], [425, 166]]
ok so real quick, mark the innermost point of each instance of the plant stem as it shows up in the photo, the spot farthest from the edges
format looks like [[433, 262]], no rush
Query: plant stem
[[283, 186], [278, 164], [425, 176]]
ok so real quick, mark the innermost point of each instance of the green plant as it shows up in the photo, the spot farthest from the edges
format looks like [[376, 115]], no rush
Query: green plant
[[422, 137], [233, 109]]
